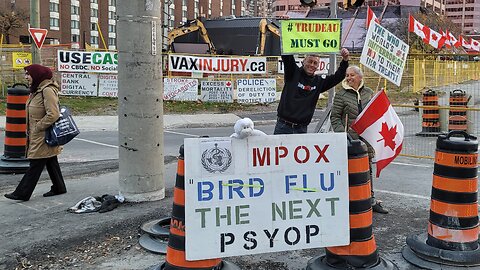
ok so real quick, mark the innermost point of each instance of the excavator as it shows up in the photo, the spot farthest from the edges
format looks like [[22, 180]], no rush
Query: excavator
[[263, 26], [189, 27]]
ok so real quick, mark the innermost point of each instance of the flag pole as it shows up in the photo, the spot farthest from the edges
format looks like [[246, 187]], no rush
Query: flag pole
[[350, 26]]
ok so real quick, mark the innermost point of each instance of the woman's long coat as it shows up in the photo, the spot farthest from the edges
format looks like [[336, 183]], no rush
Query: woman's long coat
[[42, 111]]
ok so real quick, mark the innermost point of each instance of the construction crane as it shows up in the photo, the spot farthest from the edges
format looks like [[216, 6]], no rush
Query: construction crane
[[263, 26], [189, 27]]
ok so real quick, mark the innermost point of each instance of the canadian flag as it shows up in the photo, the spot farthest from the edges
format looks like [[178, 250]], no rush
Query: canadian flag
[[380, 126], [416, 27], [448, 42], [465, 43], [434, 38], [475, 45], [371, 17], [453, 40]]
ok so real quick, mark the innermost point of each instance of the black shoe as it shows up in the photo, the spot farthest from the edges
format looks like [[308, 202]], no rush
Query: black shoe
[[51, 193], [378, 208], [12, 196]]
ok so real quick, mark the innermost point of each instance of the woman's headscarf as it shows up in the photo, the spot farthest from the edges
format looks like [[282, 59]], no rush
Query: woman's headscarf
[[38, 73]]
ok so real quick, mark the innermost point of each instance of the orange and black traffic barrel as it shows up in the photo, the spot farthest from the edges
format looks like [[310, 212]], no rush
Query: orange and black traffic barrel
[[175, 258], [15, 142], [430, 115], [362, 251], [453, 226], [457, 115]]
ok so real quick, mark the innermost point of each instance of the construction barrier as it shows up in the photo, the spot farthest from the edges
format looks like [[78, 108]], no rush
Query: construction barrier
[[15, 142], [453, 226], [457, 115], [362, 251], [430, 115], [175, 258]]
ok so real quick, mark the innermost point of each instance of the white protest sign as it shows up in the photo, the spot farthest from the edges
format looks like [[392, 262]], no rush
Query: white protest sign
[[94, 62], [214, 64], [217, 91], [78, 84], [180, 89], [384, 53], [256, 90], [323, 66], [107, 85], [265, 194]]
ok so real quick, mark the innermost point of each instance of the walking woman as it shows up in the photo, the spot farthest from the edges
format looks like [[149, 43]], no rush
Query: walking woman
[[42, 112]]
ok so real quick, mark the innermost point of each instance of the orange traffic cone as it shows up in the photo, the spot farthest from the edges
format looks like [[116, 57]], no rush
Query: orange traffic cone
[[453, 226], [362, 251], [175, 258]]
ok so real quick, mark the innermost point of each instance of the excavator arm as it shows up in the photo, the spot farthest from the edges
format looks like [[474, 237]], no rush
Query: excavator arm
[[262, 35], [190, 26]]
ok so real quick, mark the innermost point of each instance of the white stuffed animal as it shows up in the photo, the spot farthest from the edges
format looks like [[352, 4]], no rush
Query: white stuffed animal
[[244, 128]]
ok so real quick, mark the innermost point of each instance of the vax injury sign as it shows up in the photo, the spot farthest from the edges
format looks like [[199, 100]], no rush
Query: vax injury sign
[[225, 65], [265, 194]]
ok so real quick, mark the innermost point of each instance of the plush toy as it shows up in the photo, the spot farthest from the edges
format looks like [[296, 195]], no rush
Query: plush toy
[[244, 128]]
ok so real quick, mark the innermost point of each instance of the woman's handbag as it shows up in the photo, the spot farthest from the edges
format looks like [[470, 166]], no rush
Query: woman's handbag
[[63, 130]]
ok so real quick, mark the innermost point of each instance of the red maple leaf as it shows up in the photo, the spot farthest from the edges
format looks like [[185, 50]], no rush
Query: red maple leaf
[[388, 135], [434, 37], [229, 84]]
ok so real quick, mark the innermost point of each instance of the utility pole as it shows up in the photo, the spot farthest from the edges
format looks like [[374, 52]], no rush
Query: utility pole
[[35, 23], [140, 100]]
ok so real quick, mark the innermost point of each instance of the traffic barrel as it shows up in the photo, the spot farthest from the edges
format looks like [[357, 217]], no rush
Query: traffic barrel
[[362, 251], [457, 115], [175, 258], [430, 115], [453, 226], [13, 160]]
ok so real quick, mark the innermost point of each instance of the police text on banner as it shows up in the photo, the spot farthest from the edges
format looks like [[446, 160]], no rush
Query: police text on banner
[[265, 194], [384, 53], [92, 62], [225, 65], [310, 36], [256, 90]]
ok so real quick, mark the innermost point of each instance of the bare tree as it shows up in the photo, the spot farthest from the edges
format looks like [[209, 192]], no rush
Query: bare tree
[[10, 21]]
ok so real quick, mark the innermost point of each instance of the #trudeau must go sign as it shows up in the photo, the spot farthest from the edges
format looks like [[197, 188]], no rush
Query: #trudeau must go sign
[[265, 194]]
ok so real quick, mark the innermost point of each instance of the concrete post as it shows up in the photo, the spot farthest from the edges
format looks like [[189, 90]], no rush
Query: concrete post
[[35, 23], [140, 103]]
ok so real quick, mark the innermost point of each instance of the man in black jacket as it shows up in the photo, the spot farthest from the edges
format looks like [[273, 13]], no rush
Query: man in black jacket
[[301, 91]]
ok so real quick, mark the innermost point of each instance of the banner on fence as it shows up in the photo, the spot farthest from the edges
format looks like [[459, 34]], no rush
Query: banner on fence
[[384, 53], [211, 64], [310, 36], [322, 68], [21, 59], [265, 194], [78, 84], [93, 62], [256, 90], [107, 85], [216, 91], [180, 89]]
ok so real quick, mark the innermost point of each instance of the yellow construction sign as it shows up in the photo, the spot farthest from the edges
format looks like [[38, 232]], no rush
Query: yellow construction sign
[[21, 59], [311, 36]]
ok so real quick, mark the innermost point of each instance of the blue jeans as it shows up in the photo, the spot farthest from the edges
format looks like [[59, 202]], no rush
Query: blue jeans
[[284, 128]]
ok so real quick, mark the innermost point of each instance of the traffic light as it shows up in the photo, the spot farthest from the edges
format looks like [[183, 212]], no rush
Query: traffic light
[[310, 3], [352, 3]]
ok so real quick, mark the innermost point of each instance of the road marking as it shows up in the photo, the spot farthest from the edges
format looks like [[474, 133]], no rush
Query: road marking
[[403, 194], [413, 165], [180, 133], [97, 143]]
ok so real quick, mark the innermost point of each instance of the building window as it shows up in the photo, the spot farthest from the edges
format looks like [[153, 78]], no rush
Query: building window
[[112, 2], [75, 38], [75, 10], [111, 41], [93, 12], [94, 27], [75, 24], [54, 22], [93, 40], [94, 1], [111, 15], [54, 7], [112, 28]]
